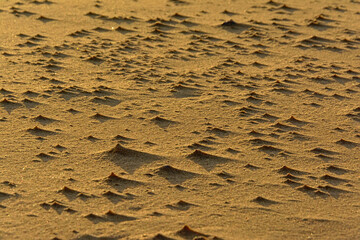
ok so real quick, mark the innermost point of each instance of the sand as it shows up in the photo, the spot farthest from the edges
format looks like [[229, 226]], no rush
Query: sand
[[178, 119]]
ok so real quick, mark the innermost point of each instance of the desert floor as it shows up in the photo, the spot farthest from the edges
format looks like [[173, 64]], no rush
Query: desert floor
[[179, 119]]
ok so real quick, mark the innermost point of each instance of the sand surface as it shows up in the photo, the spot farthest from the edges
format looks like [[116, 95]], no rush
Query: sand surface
[[179, 119]]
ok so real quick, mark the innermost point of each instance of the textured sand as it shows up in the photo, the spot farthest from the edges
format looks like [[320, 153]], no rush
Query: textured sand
[[178, 119]]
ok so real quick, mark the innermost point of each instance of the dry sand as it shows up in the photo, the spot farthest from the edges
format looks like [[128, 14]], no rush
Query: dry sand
[[178, 119]]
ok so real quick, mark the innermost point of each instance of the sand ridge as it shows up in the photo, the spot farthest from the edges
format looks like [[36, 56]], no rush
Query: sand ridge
[[177, 119]]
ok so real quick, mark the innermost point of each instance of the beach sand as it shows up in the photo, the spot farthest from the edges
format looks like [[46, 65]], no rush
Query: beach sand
[[179, 119]]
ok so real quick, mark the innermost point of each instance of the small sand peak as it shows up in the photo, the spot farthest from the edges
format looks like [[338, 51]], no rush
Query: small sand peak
[[287, 170], [187, 232]]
